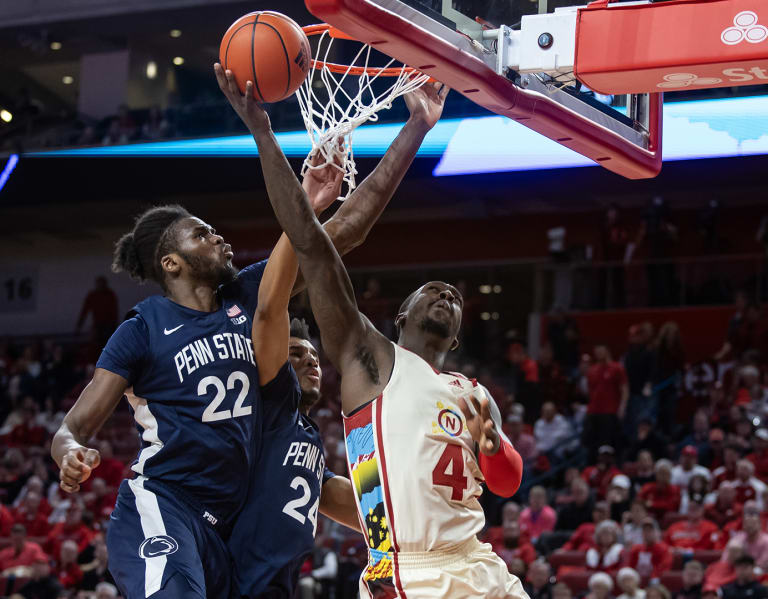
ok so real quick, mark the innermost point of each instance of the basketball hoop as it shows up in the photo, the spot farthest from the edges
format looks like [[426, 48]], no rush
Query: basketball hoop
[[344, 111]]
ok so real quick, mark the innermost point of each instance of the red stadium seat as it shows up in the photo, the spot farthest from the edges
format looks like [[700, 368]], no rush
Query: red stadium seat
[[577, 581], [567, 558], [673, 580]]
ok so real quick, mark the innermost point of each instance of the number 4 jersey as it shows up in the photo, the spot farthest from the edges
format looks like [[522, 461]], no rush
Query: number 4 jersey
[[413, 467], [194, 391]]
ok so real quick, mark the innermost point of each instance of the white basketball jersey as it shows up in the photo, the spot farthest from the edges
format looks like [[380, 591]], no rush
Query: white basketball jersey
[[413, 466]]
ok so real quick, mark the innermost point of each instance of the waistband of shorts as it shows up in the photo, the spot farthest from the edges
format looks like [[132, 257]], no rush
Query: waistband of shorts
[[208, 516], [409, 560]]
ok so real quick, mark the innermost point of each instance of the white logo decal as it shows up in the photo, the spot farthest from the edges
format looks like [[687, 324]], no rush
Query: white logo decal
[[745, 27], [679, 80], [169, 331], [157, 546]]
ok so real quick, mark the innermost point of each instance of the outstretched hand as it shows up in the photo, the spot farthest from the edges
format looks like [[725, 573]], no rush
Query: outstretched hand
[[246, 106], [426, 103], [480, 424], [323, 185]]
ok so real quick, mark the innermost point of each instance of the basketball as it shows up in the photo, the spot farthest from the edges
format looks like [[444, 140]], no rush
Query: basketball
[[269, 49]]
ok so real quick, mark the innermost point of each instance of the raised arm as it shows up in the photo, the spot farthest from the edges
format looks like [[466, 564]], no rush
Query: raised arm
[[360, 353], [271, 325]]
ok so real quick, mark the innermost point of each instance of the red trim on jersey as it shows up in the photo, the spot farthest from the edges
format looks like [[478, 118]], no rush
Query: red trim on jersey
[[387, 498]]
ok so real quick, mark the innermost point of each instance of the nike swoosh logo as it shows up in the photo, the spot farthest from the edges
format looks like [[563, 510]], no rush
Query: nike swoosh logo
[[169, 331]]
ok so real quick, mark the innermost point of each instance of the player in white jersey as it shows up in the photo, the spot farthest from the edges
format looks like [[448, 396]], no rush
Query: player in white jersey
[[419, 441]]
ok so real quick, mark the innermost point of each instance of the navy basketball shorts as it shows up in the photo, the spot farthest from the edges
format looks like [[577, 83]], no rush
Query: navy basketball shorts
[[159, 547]]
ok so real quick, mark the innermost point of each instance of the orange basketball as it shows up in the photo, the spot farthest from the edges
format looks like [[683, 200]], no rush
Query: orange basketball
[[269, 49]]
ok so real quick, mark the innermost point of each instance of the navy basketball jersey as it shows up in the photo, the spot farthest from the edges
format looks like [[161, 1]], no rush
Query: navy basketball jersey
[[275, 532], [194, 391]]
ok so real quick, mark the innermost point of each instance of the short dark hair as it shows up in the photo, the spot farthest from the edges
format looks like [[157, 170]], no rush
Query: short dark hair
[[300, 329], [138, 252], [745, 560]]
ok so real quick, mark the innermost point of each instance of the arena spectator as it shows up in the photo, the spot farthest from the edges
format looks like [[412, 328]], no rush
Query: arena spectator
[[21, 552], [561, 591], [67, 570], [648, 439], [693, 581], [524, 443], [745, 584], [747, 486], [652, 557], [513, 545], [72, 528], [723, 571], [552, 431], [577, 512], [607, 553], [639, 364], [539, 584], [600, 586], [599, 477], [657, 591], [553, 381], [644, 473], [725, 509], [693, 533], [583, 537], [43, 584], [688, 467], [618, 496], [661, 497], [110, 469], [608, 396], [726, 471], [670, 362], [699, 438], [759, 457], [563, 336], [31, 513], [716, 449], [629, 582], [100, 499], [106, 590], [697, 490], [751, 538], [538, 517], [96, 571], [632, 523]]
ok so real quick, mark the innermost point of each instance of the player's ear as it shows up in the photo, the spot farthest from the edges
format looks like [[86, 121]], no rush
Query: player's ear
[[455, 344], [400, 321], [171, 263]]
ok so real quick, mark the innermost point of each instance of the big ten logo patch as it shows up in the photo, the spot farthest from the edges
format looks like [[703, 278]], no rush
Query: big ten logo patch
[[449, 421]]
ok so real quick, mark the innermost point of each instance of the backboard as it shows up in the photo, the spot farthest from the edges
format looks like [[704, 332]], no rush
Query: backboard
[[467, 44]]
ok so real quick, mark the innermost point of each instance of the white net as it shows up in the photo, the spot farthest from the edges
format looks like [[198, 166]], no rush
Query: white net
[[329, 121]]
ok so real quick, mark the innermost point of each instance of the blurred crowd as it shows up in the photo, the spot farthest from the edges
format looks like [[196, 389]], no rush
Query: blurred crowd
[[637, 484]]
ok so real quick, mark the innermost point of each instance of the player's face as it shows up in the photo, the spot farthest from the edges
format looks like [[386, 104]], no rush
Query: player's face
[[437, 309], [305, 362], [207, 255]]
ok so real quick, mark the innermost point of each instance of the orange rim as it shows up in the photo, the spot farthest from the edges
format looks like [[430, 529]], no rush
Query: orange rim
[[341, 69]]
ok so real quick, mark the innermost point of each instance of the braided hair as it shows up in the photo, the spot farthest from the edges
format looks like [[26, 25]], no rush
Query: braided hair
[[138, 252]]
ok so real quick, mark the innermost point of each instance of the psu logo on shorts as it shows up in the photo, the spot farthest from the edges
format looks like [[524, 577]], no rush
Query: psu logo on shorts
[[157, 546]]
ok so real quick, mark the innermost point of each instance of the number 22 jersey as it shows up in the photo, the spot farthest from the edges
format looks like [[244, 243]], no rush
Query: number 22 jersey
[[194, 391]]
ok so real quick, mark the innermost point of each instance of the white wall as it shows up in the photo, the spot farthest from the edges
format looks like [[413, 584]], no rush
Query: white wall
[[65, 272]]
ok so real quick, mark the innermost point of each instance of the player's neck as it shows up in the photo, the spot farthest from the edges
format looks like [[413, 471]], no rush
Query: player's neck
[[198, 297], [429, 348]]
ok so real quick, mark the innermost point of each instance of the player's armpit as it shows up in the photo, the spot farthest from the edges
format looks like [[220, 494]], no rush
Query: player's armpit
[[337, 502]]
